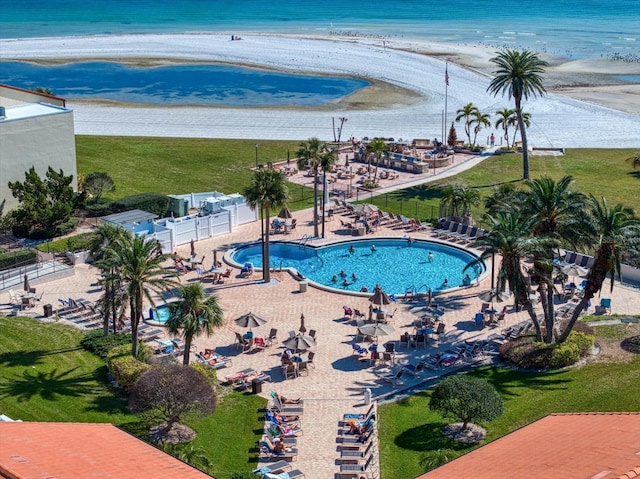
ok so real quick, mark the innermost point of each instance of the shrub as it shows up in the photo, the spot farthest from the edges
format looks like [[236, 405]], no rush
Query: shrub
[[58, 230], [207, 372], [584, 342], [564, 354], [151, 202], [81, 242], [126, 369], [100, 209], [526, 353], [100, 345]]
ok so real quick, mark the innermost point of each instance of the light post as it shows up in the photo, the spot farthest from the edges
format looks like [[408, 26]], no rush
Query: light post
[[256, 155]]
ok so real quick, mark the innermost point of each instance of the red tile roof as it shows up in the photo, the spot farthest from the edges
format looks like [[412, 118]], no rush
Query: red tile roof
[[38, 450], [582, 445]]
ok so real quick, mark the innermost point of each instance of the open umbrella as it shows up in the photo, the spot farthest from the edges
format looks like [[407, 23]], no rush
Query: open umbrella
[[302, 329], [300, 342], [250, 320], [494, 296], [572, 269], [365, 208], [377, 329], [379, 297], [285, 213]]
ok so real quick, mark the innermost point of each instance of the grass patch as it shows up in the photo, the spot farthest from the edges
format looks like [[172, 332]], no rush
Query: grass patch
[[588, 167], [409, 430], [181, 165], [45, 375]]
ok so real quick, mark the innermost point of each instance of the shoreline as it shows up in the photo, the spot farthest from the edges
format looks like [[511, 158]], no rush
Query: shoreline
[[397, 67]]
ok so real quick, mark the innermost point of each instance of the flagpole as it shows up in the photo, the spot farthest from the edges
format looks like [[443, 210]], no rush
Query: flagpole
[[446, 95]]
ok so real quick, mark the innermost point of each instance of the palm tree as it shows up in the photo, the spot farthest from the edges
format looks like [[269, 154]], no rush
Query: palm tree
[[510, 236], [105, 259], [556, 212], [142, 275], [378, 147], [526, 119], [312, 154], [611, 229], [457, 200], [503, 198], [506, 118], [268, 189], [468, 112], [479, 120], [194, 314], [519, 74]]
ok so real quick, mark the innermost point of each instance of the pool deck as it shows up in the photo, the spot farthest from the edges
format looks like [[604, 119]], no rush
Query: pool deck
[[339, 380]]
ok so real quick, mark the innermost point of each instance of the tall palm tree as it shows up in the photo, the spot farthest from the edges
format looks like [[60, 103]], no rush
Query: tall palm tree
[[503, 198], [510, 236], [519, 74], [611, 229], [105, 237], [467, 112], [311, 154], [457, 200], [479, 121], [377, 147], [142, 275], [193, 314], [526, 119], [268, 189], [506, 118]]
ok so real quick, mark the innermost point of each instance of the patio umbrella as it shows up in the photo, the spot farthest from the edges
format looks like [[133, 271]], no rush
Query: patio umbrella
[[302, 329], [377, 329], [379, 297], [572, 269], [27, 286], [193, 249], [250, 320], [365, 208], [285, 213], [300, 342], [492, 296], [215, 257]]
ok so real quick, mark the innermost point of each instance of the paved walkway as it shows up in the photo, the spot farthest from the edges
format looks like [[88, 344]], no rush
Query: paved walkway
[[337, 384]]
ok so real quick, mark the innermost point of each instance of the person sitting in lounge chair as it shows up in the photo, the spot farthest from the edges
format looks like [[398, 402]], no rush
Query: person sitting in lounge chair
[[285, 400]]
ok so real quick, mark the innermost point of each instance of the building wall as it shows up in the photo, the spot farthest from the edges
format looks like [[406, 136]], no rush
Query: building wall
[[39, 141]]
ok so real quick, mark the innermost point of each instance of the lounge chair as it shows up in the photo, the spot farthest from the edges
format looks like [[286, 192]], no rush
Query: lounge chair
[[446, 228], [242, 343], [394, 379], [360, 416], [357, 466], [215, 362], [414, 369], [267, 450], [604, 307], [274, 467], [355, 450]]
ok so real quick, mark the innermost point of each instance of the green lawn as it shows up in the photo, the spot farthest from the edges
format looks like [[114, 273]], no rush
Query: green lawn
[[181, 165], [600, 172], [408, 429], [46, 376]]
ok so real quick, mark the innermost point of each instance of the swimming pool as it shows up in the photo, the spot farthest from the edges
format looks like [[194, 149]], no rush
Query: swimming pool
[[397, 265], [159, 315]]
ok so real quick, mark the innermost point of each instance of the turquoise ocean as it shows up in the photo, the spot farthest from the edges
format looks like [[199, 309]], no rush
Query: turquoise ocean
[[566, 28]]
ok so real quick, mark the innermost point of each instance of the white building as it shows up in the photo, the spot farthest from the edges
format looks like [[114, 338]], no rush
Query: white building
[[35, 130]]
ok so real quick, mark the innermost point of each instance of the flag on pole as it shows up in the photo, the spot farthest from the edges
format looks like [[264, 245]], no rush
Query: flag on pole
[[446, 75]]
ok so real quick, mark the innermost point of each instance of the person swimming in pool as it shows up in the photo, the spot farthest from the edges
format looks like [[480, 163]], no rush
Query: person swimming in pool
[[445, 283], [343, 274], [352, 249], [354, 276], [430, 256], [334, 278], [373, 248], [345, 283]]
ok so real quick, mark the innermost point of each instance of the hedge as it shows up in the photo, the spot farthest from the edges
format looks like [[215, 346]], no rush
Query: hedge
[[151, 202], [100, 345], [54, 231], [126, 369], [17, 258]]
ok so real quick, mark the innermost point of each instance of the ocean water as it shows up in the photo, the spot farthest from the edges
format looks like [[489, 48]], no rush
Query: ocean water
[[567, 28]]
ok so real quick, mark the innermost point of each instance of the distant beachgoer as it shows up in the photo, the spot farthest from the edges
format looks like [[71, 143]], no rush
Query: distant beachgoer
[[492, 139], [445, 283], [373, 248], [342, 273], [345, 283], [410, 240], [430, 256], [353, 276], [334, 278], [352, 249], [364, 289]]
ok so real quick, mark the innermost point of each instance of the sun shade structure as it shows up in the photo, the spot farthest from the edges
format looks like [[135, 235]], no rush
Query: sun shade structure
[[573, 270], [379, 297], [285, 213], [300, 342], [493, 296], [302, 328], [250, 320], [377, 329]]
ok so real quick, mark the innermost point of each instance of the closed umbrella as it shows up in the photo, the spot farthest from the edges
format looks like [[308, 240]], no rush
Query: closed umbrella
[[250, 320], [193, 249], [27, 286], [302, 329], [300, 342], [215, 258]]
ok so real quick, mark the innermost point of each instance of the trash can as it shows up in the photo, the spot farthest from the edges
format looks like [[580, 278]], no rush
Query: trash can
[[367, 396], [303, 286], [361, 231], [48, 310], [256, 386]]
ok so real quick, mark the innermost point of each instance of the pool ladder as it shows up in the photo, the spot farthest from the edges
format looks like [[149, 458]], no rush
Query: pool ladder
[[305, 238]]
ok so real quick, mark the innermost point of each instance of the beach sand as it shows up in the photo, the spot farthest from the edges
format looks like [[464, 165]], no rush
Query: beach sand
[[406, 99]]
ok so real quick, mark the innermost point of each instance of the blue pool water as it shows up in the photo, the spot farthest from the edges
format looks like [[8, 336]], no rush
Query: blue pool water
[[217, 85], [160, 314], [395, 265]]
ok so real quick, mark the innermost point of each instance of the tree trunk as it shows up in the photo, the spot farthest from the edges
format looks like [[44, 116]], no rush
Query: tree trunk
[[266, 271], [187, 350], [134, 327], [315, 202], [523, 135]]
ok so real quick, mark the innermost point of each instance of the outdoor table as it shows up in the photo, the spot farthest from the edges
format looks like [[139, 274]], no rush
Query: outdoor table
[[491, 313], [377, 348], [215, 272], [195, 260], [300, 358], [425, 331]]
